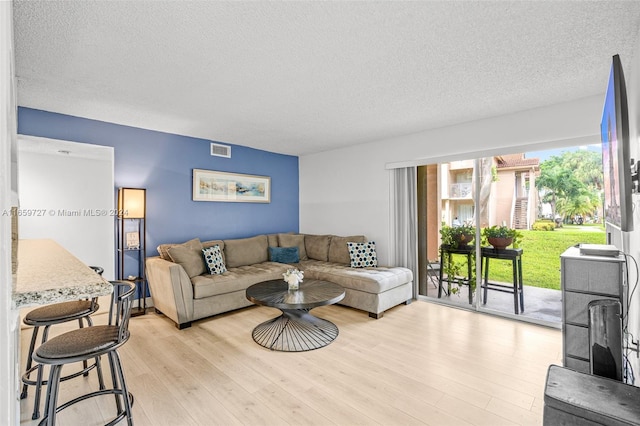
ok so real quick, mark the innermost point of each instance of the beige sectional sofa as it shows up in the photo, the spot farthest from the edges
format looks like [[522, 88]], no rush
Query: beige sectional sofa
[[183, 289]]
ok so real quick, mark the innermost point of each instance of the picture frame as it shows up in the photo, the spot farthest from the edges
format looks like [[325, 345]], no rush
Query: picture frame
[[132, 240], [210, 185]]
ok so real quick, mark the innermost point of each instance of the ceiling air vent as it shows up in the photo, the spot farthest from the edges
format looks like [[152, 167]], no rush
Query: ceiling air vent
[[218, 150]]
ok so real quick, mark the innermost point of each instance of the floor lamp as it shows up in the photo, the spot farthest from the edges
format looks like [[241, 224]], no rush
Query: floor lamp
[[132, 240]]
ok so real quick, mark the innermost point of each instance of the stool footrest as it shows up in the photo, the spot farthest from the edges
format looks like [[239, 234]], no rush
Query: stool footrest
[[120, 415], [27, 381], [498, 287]]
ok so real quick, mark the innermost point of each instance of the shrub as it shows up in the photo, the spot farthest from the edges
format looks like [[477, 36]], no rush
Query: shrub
[[543, 225]]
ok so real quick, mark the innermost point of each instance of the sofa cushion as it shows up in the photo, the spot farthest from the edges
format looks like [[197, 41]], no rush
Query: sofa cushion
[[369, 280], [163, 249], [246, 251], [272, 240], [284, 254], [213, 260], [291, 240], [236, 279], [338, 250], [189, 255], [363, 255], [317, 246]]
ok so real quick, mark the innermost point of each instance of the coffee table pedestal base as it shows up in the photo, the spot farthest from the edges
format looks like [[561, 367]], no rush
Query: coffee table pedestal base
[[296, 330]]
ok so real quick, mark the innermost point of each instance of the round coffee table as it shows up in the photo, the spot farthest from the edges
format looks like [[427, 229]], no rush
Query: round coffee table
[[296, 330]]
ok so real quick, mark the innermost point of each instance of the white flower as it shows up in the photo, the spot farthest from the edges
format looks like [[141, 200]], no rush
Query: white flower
[[292, 279], [293, 276]]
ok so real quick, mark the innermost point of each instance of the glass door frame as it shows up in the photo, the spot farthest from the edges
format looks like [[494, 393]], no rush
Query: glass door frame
[[476, 304]]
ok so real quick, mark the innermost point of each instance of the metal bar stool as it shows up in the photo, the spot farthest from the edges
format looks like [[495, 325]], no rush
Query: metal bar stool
[[91, 342], [49, 315]]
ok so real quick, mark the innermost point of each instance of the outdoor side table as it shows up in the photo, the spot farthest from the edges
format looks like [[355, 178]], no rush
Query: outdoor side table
[[515, 256], [448, 251]]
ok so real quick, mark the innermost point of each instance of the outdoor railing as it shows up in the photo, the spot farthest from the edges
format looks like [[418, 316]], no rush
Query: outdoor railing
[[460, 190]]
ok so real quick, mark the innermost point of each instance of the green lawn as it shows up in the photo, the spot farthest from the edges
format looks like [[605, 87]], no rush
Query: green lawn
[[541, 252]]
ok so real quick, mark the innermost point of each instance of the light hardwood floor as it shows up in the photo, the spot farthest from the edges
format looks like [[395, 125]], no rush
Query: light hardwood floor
[[420, 364]]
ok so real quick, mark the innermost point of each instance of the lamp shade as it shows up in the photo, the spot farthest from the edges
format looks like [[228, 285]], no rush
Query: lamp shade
[[132, 203]]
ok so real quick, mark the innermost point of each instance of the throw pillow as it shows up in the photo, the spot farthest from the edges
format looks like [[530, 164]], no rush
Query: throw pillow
[[363, 255], [213, 259], [293, 240], [246, 251], [189, 255], [338, 250], [163, 251], [284, 254], [317, 246]]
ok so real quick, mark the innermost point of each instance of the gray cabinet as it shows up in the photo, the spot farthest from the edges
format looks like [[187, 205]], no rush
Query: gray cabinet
[[584, 279]]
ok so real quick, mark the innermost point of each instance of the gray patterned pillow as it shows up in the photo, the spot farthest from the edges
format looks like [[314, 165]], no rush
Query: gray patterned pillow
[[363, 255], [214, 261]]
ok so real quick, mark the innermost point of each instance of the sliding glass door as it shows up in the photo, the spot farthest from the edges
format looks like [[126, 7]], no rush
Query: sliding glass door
[[446, 206], [521, 280]]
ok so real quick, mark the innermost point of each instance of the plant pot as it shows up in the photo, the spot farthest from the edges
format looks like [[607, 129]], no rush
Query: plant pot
[[500, 243], [464, 239]]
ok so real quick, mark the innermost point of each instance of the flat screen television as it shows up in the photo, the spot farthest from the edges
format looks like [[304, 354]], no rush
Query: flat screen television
[[616, 160]]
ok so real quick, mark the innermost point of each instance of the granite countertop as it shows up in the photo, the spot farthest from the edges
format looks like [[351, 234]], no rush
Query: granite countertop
[[48, 273]]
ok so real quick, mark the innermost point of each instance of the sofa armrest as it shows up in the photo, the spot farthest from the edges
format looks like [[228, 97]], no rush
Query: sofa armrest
[[171, 289]]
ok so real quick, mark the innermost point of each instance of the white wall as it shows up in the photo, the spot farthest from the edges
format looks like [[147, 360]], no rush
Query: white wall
[[632, 239], [57, 187], [9, 358], [346, 191]]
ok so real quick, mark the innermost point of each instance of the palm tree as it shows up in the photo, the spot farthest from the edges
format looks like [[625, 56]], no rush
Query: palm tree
[[570, 187], [585, 204], [555, 182]]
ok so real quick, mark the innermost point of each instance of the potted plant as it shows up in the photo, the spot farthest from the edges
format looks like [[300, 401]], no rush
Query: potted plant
[[456, 273], [457, 236], [501, 237]]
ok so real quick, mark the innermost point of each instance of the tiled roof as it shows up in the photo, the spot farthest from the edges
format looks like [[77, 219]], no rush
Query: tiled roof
[[516, 160]]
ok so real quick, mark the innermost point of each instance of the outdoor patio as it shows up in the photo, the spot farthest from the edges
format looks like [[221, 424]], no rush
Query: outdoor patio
[[539, 303]]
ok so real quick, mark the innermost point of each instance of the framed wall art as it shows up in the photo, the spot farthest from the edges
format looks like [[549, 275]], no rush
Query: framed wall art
[[132, 240], [209, 185]]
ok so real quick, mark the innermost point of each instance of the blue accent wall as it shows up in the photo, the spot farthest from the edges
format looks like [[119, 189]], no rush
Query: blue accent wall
[[163, 163]]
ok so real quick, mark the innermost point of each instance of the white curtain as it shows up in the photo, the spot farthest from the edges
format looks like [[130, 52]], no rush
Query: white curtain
[[404, 221]]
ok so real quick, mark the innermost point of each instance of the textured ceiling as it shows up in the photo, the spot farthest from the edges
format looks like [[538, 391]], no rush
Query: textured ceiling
[[304, 77]]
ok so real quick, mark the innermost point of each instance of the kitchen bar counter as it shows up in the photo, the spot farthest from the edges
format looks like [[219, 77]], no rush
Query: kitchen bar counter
[[48, 273]]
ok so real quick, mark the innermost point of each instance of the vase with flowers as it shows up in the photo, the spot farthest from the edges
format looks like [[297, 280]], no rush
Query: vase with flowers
[[293, 277]]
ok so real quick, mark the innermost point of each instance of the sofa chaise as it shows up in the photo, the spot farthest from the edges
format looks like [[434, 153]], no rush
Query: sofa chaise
[[185, 288]]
